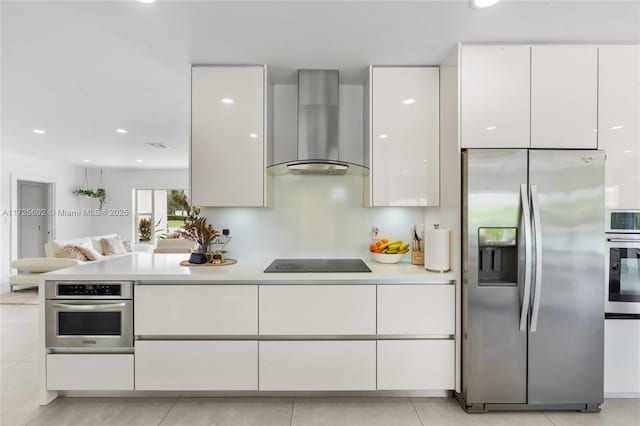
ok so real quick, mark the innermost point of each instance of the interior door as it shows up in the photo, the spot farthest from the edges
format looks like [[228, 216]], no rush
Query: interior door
[[32, 220], [566, 349], [494, 348]]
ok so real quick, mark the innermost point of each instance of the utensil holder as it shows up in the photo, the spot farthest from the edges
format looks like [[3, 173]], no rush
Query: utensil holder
[[417, 258]]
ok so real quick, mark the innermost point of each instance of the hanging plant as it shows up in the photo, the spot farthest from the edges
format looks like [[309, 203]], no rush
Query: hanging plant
[[99, 194]]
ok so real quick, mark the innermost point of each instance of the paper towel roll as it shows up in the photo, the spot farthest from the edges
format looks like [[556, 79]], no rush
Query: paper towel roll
[[436, 252]]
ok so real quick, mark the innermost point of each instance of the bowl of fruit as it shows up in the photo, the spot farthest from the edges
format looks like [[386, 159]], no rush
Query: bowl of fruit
[[385, 251]]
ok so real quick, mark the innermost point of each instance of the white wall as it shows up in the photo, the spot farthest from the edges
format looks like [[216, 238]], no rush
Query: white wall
[[66, 178], [313, 216], [120, 184]]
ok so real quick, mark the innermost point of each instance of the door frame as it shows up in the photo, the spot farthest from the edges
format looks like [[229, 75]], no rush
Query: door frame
[[51, 201]]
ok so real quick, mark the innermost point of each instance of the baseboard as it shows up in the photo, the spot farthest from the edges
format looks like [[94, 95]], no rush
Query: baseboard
[[340, 394], [621, 395]]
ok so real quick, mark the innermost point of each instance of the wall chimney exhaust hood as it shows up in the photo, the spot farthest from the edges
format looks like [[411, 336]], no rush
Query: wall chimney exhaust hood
[[319, 146]]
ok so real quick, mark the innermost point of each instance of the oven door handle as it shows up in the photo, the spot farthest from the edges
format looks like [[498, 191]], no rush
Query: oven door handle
[[624, 240], [96, 307]]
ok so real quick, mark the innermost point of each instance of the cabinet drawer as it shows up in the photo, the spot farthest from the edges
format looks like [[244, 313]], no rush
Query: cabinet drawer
[[192, 310], [89, 372], [416, 364], [318, 365], [416, 309], [196, 365], [318, 309]]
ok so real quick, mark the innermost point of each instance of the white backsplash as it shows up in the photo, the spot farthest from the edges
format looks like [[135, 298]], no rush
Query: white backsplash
[[312, 216]]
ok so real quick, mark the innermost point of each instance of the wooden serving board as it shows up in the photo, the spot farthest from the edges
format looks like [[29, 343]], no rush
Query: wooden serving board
[[227, 262]]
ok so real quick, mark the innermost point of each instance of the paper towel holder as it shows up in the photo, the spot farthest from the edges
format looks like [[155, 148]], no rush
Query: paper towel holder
[[442, 264]]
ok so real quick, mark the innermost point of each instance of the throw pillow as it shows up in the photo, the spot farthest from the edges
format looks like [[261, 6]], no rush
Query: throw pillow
[[88, 250], [111, 246], [71, 252], [127, 245]]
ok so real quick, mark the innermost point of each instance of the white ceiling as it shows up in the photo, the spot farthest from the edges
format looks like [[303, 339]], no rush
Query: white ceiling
[[81, 69]]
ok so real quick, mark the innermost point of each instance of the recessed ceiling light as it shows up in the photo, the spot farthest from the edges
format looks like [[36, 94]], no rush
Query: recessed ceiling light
[[253, 135], [627, 151], [85, 160], [123, 131], [157, 145], [227, 101], [409, 101], [481, 4], [491, 128], [139, 161], [147, 1], [38, 132], [383, 136], [615, 127]]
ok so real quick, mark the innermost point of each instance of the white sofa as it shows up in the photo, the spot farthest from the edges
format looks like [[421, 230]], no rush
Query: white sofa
[[174, 245], [30, 268]]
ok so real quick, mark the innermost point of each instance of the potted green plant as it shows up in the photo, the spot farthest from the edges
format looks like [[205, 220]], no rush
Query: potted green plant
[[144, 228]]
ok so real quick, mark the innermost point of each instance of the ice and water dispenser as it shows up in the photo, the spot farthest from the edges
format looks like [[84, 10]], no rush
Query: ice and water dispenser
[[498, 256]]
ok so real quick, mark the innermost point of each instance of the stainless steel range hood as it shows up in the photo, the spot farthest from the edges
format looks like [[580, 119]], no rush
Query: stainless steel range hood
[[319, 146]]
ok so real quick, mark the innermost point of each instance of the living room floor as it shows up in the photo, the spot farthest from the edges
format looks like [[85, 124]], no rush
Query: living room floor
[[19, 401]]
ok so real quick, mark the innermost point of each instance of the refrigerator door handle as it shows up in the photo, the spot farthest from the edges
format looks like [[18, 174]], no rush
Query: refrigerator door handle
[[526, 221], [537, 283]]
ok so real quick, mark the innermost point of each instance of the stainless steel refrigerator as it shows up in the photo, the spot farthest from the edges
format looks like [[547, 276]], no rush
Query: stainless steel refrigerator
[[533, 279]]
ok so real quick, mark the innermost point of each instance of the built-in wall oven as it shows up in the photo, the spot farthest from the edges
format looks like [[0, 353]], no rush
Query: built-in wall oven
[[623, 263], [89, 316]]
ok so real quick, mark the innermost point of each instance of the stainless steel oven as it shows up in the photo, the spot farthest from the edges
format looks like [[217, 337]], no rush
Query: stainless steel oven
[[84, 315], [623, 263]]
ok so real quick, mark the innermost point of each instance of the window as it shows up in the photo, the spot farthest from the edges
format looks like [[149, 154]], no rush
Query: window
[[159, 213]]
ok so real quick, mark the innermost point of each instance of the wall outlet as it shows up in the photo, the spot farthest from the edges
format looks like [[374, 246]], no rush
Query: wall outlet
[[375, 232]]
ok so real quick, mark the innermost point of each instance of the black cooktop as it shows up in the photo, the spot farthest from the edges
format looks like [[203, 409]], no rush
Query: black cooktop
[[317, 265]]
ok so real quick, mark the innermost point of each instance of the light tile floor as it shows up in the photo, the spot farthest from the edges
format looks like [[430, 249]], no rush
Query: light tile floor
[[19, 401]]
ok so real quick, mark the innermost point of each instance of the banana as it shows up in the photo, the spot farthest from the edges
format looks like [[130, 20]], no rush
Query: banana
[[393, 247], [404, 247], [403, 251]]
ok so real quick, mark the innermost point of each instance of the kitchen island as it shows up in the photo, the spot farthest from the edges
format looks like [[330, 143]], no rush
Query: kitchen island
[[238, 329]]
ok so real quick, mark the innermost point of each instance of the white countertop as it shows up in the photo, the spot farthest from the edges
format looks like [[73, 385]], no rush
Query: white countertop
[[165, 268]]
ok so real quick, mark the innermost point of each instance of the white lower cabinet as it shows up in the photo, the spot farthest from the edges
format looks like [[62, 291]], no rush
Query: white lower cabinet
[[317, 365], [416, 364], [89, 372], [317, 309], [416, 310], [196, 365], [196, 310], [622, 358]]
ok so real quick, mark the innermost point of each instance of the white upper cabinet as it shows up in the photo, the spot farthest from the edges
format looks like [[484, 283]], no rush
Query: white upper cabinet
[[619, 124], [495, 87], [404, 136], [564, 97], [228, 152]]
